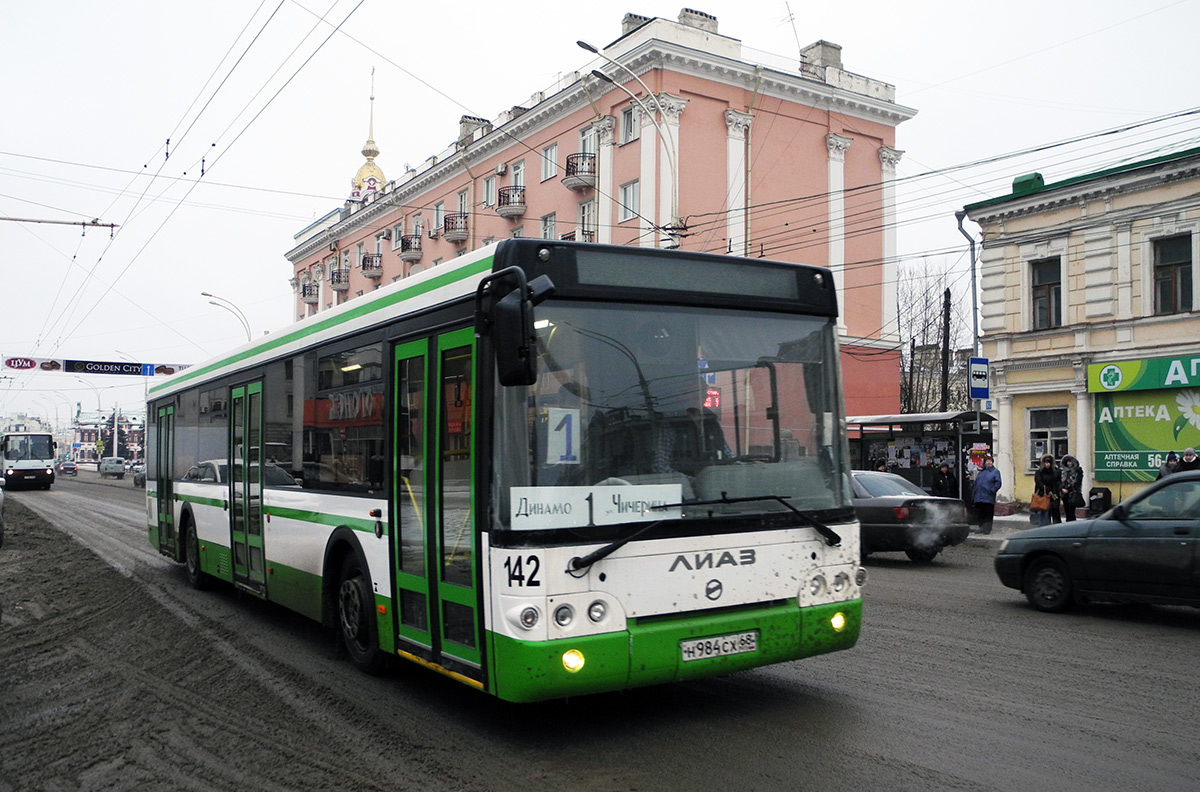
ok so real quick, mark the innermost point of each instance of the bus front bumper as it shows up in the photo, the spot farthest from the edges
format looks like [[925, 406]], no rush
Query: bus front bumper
[[653, 651]]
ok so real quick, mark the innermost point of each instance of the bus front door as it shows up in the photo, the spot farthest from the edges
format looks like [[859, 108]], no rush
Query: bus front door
[[436, 568], [245, 486], [164, 493]]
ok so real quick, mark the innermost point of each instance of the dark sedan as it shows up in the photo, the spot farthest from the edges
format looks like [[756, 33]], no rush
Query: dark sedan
[[897, 515], [1143, 550], [68, 468]]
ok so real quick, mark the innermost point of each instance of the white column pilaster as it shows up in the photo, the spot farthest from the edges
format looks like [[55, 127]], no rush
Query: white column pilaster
[[888, 158], [673, 107], [1002, 445], [837, 146], [604, 179], [737, 126]]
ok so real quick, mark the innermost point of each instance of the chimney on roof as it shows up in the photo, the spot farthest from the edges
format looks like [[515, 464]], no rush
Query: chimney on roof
[[632, 22], [823, 53], [698, 19], [467, 125]]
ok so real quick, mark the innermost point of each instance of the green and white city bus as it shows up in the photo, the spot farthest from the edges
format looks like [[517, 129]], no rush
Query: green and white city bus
[[544, 469]]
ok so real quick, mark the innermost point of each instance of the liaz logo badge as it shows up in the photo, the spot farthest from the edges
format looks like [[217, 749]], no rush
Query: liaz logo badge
[[712, 560], [20, 363]]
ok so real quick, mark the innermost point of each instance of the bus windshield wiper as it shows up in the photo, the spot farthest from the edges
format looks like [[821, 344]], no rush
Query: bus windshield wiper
[[831, 537]]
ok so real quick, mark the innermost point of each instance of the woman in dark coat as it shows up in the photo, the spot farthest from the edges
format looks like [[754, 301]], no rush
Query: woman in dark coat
[[1070, 486], [1046, 482]]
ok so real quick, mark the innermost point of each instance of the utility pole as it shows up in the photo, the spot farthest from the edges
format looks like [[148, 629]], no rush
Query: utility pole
[[86, 224], [946, 352]]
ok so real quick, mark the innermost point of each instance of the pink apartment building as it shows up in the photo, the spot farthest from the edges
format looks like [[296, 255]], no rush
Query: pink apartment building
[[673, 136]]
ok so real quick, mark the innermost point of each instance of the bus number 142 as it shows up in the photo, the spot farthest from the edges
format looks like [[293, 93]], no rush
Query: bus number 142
[[523, 572]]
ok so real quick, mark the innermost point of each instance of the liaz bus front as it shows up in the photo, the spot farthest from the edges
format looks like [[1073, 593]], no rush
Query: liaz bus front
[[669, 487]]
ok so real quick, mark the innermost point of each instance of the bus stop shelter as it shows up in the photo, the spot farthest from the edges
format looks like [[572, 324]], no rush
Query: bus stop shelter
[[914, 445]]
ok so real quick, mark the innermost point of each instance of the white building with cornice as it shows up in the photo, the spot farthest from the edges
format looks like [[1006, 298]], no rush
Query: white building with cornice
[[1089, 294], [684, 139]]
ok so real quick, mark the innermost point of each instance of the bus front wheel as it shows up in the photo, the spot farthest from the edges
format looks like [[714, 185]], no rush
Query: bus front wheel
[[356, 617], [198, 579]]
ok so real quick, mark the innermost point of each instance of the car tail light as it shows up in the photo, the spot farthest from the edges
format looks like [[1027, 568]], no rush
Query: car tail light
[[902, 512]]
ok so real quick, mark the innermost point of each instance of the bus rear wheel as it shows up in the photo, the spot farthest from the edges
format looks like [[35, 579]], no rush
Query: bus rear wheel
[[356, 618]]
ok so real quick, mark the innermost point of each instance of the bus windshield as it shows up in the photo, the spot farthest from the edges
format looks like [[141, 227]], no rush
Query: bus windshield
[[639, 406], [29, 447]]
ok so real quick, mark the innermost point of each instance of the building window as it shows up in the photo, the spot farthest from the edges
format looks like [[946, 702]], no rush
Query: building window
[[518, 174], [488, 241], [489, 191], [587, 218], [548, 225], [631, 124], [397, 232], [1047, 434], [1173, 275], [359, 250], [587, 141], [463, 206], [550, 161], [628, 207], [517, 233], [1047, 293], [439, 215]]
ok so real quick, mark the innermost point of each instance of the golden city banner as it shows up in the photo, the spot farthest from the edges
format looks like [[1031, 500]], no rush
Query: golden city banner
[[68, 366]]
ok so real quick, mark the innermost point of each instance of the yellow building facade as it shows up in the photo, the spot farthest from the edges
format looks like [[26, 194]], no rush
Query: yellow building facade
[[1089, 292]]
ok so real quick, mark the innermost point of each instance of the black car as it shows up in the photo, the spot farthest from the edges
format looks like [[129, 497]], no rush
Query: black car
[[1142, 550], [68, 468], [897, 515]]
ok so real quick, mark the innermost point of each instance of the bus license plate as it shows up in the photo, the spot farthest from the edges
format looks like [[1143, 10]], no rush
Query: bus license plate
[[718, 646]]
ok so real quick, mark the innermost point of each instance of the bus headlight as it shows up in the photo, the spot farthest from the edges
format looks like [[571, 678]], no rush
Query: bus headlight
[[840, 581], [597, 611], [564, 615], [860, 576], [529, 617], [816, 585]]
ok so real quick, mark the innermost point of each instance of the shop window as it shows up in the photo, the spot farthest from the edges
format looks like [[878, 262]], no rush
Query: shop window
[[1047, 434]]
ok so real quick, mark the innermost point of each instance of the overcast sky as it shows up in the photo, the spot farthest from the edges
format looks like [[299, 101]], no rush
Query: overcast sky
[[92, 91]]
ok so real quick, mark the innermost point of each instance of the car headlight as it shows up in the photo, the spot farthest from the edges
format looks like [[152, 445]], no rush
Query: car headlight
[[1003, 546]]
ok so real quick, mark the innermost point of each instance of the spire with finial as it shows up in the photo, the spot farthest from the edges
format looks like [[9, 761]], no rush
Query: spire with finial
[[369, 178]]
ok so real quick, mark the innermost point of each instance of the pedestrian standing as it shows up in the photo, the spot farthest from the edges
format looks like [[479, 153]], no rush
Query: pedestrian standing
[[1168, 467], [1046, 482], [1190, 461], [943, 482], [987, 484], [1071, 486]]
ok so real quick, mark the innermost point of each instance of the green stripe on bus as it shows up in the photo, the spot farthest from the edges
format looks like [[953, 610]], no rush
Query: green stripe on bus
[[220, 503], [650, 654], [320, 325], [320, 518]]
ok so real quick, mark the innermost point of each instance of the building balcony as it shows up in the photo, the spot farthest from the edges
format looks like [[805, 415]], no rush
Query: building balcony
[[310, 293], [372, 265], [339, 279], [410, 247], [581, 171], [454, 228], [510, 201], [579, 236]]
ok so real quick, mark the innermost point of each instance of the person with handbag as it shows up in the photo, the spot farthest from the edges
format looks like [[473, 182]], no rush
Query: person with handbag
[[1071, 486], [987, 484], [1045, 487]]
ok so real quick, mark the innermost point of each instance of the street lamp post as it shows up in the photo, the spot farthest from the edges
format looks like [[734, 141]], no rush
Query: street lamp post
[[673, 229], [221, 302]]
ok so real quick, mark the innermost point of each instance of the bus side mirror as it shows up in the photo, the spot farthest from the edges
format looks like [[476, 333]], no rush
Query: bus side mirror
[[510, 324]]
